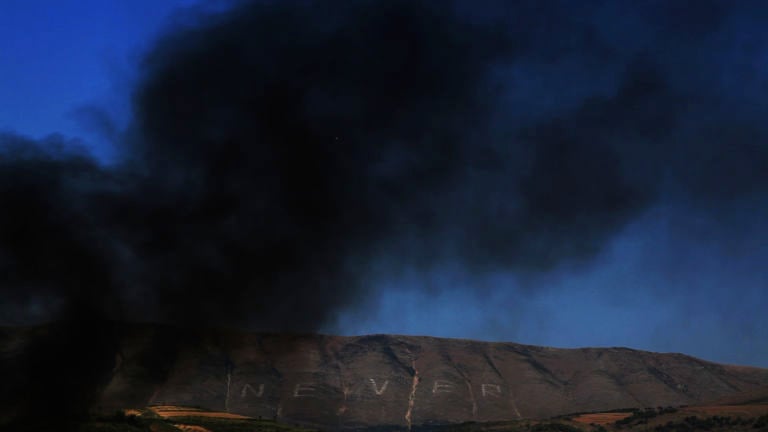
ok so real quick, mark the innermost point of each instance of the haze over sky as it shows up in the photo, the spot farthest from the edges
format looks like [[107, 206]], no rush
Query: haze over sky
[[684, 270]]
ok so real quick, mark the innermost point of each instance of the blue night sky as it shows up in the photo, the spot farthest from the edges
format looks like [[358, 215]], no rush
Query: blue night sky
[[681, 266]]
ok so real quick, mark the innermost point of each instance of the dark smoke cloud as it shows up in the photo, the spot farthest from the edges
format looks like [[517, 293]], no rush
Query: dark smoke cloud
[[293, 141], [274, 151], [277, 151]]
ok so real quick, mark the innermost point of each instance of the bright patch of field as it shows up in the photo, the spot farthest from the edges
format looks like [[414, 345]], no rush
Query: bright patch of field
[[191, 428], [173, 408], [203, 414], [177, 411], [601, 418]]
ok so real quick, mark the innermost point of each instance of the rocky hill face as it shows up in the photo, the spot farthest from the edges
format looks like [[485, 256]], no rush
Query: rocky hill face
[[350, 382]]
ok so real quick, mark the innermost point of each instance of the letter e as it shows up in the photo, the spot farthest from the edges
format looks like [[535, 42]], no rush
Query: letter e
[[303, 390], [442, 387], [490, 390]]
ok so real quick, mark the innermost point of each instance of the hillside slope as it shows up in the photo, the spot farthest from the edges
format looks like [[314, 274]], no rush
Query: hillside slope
[[349, 382]]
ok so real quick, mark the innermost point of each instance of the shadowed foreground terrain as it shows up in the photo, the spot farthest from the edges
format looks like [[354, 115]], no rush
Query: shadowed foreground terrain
[[388, 382], [662, 419]]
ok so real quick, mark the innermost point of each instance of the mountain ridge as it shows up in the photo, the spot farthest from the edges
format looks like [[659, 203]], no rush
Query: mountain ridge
[[348, 382]]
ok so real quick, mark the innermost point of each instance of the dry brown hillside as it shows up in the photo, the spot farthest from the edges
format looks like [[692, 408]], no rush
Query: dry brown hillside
[[346, 382]]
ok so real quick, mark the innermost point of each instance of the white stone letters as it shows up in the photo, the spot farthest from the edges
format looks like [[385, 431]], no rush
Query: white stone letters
[[309, 389], [303, 390], [490, 390], [441, 386], [248, 387], [379, 391]]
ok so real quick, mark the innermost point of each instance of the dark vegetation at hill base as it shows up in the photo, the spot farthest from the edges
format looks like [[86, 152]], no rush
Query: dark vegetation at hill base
[[120, 422]]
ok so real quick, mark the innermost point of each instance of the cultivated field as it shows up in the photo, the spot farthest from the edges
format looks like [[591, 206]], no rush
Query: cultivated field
[[601, 418], [167, 411], [688, 418]]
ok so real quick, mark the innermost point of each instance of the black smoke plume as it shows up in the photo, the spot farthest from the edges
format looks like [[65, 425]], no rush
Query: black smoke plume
[[279, 149], [275, 150]]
